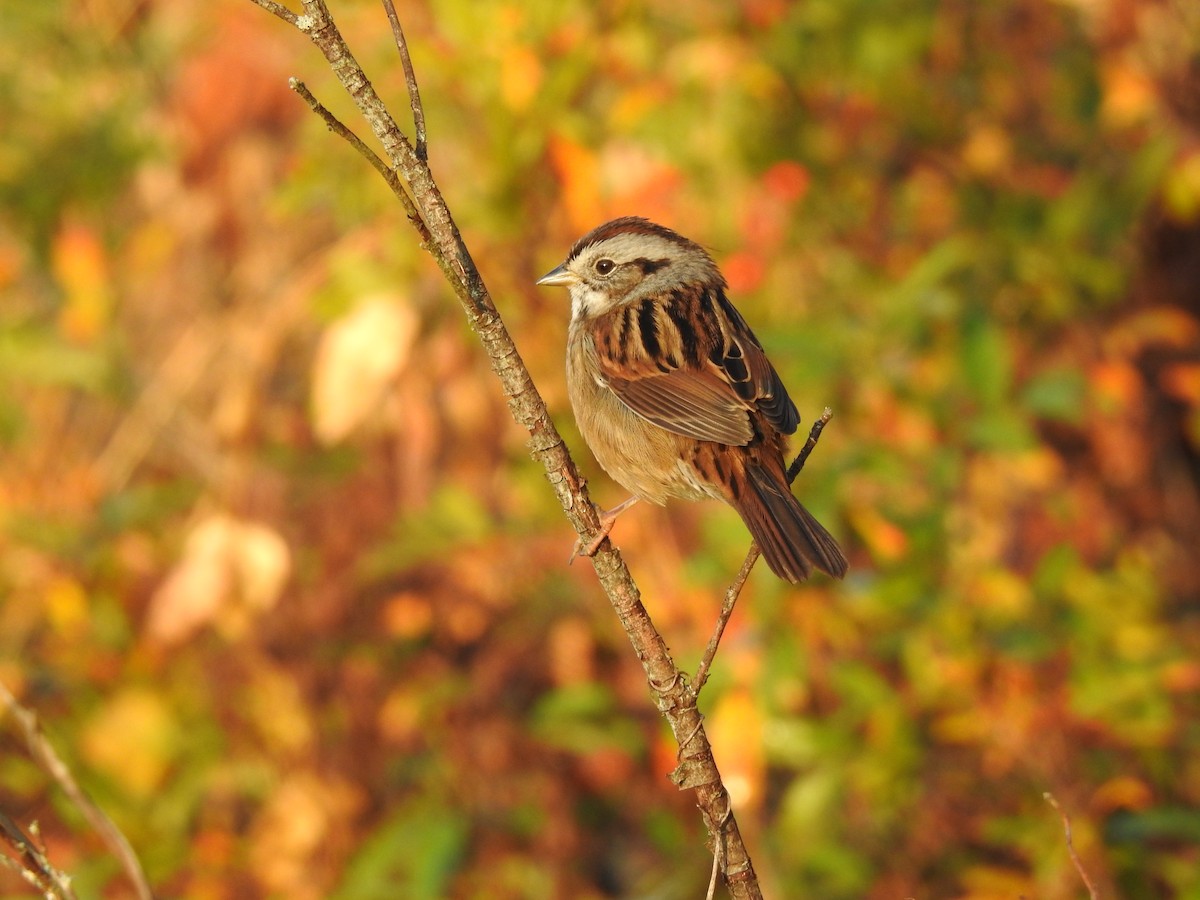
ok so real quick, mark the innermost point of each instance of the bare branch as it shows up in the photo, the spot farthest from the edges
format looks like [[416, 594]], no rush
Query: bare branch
[[814, 435], [50, 762], [712, 879], [410, 79], [334, 124], [739, 581], [278, 9], [1066, 823], [34, 866]]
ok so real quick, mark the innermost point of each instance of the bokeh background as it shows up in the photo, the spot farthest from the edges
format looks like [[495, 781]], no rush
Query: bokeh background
[[293, 602]]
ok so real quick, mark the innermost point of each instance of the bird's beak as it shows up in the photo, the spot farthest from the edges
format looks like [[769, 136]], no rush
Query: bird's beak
[[559, 276]]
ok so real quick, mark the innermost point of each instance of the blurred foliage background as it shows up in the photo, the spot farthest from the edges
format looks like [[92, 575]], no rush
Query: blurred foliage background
[[290, 597]]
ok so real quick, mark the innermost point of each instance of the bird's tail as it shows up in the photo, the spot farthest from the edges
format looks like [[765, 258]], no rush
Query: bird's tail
[[792, 541]]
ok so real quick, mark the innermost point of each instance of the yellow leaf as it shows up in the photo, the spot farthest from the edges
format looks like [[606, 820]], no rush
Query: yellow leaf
[[401, 716], [1181, 189], [358, 357], [966, 727], [81, 268], [520, 77], [984, 882], [275, 706], [1122, 792], [988, 150], [66, 604], [132, 740], [1000, 592]]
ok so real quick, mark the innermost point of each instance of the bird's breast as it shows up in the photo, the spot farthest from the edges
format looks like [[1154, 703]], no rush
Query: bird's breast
[[645, 459]]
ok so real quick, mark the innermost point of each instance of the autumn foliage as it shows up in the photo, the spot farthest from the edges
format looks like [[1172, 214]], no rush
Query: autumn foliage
[[280, 579]]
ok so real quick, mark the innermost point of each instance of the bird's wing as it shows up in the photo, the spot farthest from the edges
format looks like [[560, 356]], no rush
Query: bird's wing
[[690, 364], [687, 403]]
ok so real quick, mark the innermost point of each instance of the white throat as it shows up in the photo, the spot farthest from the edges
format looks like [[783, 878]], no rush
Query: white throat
[[587, 302]]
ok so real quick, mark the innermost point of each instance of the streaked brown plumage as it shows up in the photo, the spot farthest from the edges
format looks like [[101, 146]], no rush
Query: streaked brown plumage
[[674, 394]]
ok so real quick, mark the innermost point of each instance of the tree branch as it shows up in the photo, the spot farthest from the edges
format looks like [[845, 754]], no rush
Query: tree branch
[[1075, 861], [50, 762], [34, 866], [334, 124], [278, 9], [671, 691], [410, 79]]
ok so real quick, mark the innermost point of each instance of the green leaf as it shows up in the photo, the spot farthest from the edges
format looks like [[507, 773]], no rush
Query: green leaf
[[1057, 394], [413, 855], [583, 718], [986, 360]]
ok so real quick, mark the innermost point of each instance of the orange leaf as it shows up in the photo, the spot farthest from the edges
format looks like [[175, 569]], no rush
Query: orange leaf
[[733, 728], [1129, 94], [886, 540], [787, 181], [744, 271], [579, 174], [520, 77], [1182, 381], [1122, 792]]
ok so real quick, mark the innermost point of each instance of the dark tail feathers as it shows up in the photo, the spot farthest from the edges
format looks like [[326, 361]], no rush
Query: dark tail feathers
[[792, 541]]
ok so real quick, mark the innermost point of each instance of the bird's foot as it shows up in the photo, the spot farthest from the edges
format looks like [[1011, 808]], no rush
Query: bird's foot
[[608, 518]]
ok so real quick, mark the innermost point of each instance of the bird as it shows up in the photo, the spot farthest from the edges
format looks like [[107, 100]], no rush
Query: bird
[[674, 394]]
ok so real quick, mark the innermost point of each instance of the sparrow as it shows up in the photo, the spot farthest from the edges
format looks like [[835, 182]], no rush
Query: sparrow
[[674, 394]]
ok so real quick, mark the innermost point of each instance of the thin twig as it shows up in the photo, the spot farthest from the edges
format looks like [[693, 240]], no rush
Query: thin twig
[[739, 581], [278, 9], [731, 596], [717, 830], [712, 879], [34, 867], [410, 80], [1066, 823], [48, 759], [334, 124], [814, 435]]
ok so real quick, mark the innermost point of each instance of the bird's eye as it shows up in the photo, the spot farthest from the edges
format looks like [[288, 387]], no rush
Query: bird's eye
[[604, 266]]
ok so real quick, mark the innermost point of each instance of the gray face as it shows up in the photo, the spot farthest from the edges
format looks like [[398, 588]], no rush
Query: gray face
[[628, 267]]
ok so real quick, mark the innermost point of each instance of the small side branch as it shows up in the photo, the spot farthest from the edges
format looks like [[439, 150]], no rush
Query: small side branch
[[278, 9], [731, 596], [410, 79], [50, 762], [814, 435], [739, 581], [334, 124], [34, 866], [1075, 861]]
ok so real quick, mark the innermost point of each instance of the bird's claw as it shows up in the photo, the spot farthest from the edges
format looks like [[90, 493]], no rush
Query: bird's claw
[[607, 518], [589, 549]]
